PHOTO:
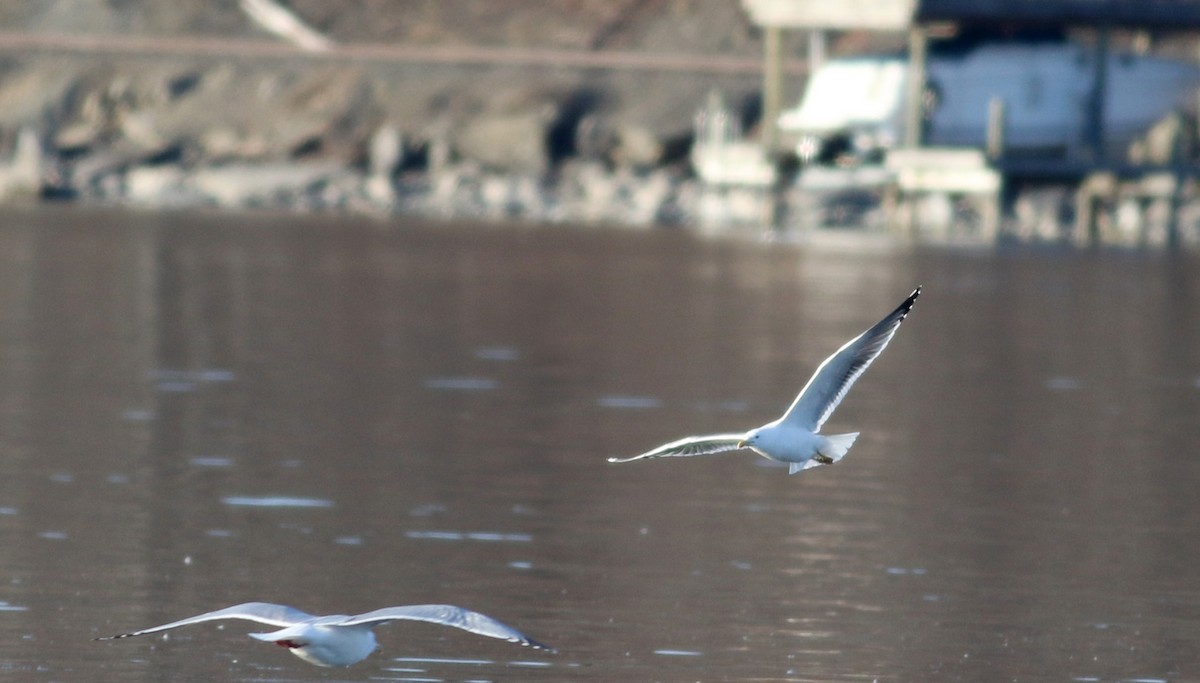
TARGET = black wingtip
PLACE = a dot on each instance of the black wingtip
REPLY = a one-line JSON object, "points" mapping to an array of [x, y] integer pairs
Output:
{"points": [[530, 642], [907, 305], [116, 637]]}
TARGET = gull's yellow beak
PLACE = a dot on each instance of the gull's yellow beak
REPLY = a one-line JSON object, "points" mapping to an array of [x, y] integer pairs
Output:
{"points": [[742, 443]]}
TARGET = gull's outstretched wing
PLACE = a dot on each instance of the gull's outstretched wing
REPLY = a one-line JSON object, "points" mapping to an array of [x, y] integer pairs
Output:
{"points": [[261, 612], [835, 376], [447, 615], [691, 445]]}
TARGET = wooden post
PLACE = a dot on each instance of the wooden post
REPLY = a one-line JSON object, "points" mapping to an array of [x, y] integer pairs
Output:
{"points": [[1093, 197], [1179, 157], [1174, 202], [772, 96], [918, 44], [1086, 220], [816, 50]]}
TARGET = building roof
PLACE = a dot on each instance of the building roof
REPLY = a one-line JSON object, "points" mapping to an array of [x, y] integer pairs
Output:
{"points": [[1141, 14], [895, 15]]}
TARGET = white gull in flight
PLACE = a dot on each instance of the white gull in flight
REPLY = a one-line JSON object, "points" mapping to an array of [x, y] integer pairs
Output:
{"points": [[341, 640], [794, 438]]}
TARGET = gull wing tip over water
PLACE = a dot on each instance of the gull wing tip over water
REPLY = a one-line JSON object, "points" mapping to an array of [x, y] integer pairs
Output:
{"points": [[837, 373], [335, 640], [448, 615], [688, 446], [258, 612]]}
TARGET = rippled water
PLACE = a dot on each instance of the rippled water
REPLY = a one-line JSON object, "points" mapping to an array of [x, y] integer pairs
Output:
{"points": [[198, 410]]}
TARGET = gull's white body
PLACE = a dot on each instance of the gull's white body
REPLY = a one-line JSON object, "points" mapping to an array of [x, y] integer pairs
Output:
{"points": [[341, 640], [323, 645], [795, 438]]}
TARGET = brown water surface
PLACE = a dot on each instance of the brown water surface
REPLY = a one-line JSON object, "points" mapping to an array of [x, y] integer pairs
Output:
{"points": [[203, 409]]}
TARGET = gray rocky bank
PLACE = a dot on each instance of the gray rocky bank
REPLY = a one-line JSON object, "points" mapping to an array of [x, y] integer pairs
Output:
{"points": [[186, 128]]}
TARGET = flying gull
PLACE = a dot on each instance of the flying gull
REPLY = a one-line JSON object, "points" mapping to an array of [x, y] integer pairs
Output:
{"points": [[794, 438], [341, 640]]}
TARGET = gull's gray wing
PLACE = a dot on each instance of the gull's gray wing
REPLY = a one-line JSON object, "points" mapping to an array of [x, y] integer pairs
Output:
{"points": [[261, 612], [691, 445], [447, 615], [835, 376]]}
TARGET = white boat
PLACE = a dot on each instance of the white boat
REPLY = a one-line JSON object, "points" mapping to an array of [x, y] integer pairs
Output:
{"points": [[1045, 88]]}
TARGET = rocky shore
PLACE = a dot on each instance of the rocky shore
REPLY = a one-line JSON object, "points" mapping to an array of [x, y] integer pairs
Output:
{"points": [[574, 111], [195, 104]]}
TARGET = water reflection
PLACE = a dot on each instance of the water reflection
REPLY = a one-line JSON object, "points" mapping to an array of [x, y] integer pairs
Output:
{"points": [[461, 383], [1020, 504], [487, 536], [277, 502]]}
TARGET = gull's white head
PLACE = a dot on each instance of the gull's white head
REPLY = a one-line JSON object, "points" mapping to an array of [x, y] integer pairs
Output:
{"points": [[753, 439], [773, 441], [325, 645]]}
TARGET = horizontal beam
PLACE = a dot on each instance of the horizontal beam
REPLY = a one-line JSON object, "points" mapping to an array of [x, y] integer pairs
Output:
{"points": [[874, 15], [24, 44]]}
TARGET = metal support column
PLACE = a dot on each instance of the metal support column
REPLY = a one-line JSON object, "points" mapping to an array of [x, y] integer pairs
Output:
{"points": [[772, 95], [816, 50], [918, 47], [1094, 143]]}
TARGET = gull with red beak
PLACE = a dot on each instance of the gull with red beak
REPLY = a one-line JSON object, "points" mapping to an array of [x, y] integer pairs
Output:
{"points": [[795, 438]]}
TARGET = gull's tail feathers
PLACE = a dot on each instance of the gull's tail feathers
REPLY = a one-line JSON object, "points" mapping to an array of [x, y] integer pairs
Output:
{"points": [[835, 448], [836, 445]]}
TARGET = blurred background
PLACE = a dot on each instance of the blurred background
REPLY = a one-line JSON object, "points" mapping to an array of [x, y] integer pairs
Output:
{"points": [[1067, 121], [345, 304]]}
